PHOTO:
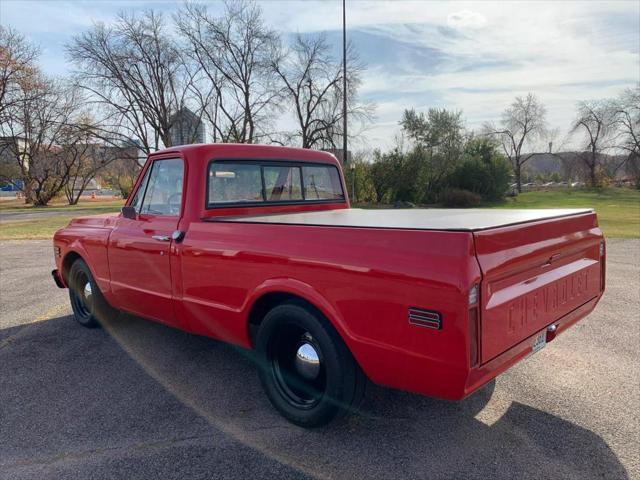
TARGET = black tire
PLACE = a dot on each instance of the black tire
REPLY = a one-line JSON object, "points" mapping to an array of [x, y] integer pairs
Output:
{"points": [[87, 302], [305, 393]]}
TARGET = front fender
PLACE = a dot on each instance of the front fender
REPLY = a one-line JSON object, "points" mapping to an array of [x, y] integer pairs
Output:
{"points": [[92, 248]]}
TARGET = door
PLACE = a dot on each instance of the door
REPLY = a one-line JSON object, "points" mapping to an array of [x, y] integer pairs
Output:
{"points": [[139, 249]]}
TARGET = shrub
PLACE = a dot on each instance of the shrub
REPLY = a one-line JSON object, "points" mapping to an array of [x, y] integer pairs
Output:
{"points": [[456, 197], [483, 171]]}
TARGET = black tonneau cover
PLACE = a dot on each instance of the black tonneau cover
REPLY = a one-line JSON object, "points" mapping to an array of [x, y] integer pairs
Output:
{"points": [[417, 219]]}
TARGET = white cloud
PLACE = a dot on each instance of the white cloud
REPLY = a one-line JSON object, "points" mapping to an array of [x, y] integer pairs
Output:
{"points": [[485, 52], [466, 19]]}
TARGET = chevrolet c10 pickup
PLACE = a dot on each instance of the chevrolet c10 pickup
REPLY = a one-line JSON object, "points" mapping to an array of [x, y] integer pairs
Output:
{"points": [[258, 246]]}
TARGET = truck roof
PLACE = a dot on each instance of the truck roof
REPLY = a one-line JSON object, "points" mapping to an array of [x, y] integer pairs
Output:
{"points": [[413, 219], [244, 151]]}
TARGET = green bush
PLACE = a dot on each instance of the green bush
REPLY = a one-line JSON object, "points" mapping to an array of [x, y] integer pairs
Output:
{"points": [[422, 174], [483, 171], [460, 198]]}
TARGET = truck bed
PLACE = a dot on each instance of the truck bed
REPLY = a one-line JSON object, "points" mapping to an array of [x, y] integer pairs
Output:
{"points": [[466, 220]]}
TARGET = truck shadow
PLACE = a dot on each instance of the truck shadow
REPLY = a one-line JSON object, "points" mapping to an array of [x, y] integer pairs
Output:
{"points": [[113, 374]]}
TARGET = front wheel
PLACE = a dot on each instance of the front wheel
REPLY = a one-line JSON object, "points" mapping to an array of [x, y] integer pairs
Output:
{"points": [[308, 373], [87, 302]]}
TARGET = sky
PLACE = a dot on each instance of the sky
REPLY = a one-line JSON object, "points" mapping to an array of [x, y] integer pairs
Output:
{"points": [[471, 56]]}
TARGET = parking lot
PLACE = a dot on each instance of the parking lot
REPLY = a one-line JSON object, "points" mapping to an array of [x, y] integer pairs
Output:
{"points": [[138, 400]]}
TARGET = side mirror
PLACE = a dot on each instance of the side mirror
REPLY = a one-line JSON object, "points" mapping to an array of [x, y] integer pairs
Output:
{"points": [[129, 212]]}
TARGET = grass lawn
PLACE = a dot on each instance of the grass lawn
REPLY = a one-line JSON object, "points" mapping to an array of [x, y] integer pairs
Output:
{"points": [[97, 206], [53, 217], [618, 209]]}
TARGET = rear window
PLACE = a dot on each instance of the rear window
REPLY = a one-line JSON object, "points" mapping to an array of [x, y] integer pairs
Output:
{"points": [[321, 183], [262, 183], [235, 183], [282, 183]]}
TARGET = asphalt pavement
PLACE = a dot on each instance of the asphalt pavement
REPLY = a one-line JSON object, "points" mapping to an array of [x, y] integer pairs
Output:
{"points": [[139, 400]]}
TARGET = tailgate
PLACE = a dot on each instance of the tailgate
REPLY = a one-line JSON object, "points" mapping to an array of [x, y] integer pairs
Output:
{"points": [[533, 274]]}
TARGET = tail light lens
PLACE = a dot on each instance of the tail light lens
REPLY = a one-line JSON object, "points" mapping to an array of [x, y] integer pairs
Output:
{"points": [[603, 256], [473, 295], [473, 336]]}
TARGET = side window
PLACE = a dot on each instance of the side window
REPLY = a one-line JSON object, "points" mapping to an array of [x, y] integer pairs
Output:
{"points": [[321, 183], [164, 189], [282, 183], [235, 183], [137, 200]]}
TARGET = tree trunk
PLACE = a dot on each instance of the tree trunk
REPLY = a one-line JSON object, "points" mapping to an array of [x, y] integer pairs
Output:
{"points": [[28, 192], [68, 192], [517, 170], [76, 199], [41, 200], [592, 168]]}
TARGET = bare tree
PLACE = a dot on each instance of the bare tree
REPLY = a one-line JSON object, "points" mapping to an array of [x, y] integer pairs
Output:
{"points": [[312, 85], [521, 125], [17, 67], [32, 133], [234, 53], [595, 122], [85, 155], [122, 173], [136, 72], [627, 123]]}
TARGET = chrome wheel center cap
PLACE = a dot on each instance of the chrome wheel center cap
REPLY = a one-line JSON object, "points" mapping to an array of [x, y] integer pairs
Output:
{"points": [[307, 361], [87, 290]]}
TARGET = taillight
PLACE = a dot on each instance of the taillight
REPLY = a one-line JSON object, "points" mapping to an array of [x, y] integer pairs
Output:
{"points": [[473, 336], [474, 297], [603, 256]]}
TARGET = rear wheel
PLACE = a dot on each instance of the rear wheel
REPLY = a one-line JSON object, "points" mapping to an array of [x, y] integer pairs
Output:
{"points": [[307, 371], [87, 302]]}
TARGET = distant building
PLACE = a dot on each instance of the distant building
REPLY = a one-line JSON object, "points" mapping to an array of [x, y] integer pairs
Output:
{"points": [[186, 127]]}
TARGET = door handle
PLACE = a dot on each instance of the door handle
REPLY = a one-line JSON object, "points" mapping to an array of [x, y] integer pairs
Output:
{"points": [[161, 238]]}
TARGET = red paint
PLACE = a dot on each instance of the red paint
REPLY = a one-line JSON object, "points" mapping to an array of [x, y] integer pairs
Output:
{"points": [[362, 280]]}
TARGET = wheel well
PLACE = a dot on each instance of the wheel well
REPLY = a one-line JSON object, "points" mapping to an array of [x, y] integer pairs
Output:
{"points": [[264, 304], [67, 262]]}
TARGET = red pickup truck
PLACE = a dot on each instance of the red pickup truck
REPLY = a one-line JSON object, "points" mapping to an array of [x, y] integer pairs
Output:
{"points": [[258, 246]]}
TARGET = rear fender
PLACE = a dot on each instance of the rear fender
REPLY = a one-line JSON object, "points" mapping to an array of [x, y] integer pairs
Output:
{"points": [[307, 293]]}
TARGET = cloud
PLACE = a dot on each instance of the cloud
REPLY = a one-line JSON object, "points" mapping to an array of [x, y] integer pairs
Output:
{"points": [[466, 19], [470, 55]]}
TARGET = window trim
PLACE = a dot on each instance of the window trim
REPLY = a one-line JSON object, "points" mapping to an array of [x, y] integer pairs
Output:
{"points": [[142, 188], [139, 183], [269, 203], [144, 196]]}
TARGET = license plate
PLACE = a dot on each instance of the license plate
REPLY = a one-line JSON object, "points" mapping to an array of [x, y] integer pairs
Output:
{"points": [[539, 342]]}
